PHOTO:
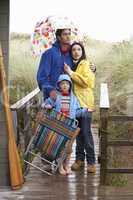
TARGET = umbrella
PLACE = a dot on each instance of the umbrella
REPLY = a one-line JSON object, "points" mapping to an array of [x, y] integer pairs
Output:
{"points": [[43, 35]]}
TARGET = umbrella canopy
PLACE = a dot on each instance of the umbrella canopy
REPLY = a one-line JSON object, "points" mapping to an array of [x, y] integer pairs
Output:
{"points": [[44, 32]]}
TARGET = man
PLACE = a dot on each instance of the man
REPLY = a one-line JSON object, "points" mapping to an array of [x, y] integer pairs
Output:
{"points": [[52, 65], [52, 62]]}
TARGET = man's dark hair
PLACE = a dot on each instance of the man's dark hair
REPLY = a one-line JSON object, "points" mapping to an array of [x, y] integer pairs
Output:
{"points": [[58, 33]]}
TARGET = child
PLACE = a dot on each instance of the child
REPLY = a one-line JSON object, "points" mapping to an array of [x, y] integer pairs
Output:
{"points": [[66, 102], [83, 78]]}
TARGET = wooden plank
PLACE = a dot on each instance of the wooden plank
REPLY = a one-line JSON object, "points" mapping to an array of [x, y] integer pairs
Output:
{"points": [[120, 170], [3, 139], [4, 174], [3, 158], [4, 7], [104, 96], [103, 144], [3, 142], [2, 116], [4, 39], [3, 20], [123, 118], [104, 106], [4, 33], [22, 102], [4, 167], [4, 49], [120, 143]]}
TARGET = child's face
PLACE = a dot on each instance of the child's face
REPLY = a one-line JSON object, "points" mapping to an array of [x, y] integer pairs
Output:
{"points": [[76, 52], [64, 86]]}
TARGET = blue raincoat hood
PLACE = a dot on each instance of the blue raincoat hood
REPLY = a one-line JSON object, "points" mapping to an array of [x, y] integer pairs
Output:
{"points": [[64, 77], [56, 104]]}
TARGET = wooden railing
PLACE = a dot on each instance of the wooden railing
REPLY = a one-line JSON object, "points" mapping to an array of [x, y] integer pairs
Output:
{"points": [[24, 112], [105, 119]]}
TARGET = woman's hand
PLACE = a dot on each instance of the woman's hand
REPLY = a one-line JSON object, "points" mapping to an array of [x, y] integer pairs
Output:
{"points": [[67, 69]]}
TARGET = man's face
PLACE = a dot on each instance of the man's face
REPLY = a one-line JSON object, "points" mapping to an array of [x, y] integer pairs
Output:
{"points": [[65, 37]]}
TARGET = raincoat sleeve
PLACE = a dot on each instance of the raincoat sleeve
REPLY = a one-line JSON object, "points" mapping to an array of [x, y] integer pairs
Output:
{"points": [[84, 77], [77, 103], [44, 72], [48, 101]]}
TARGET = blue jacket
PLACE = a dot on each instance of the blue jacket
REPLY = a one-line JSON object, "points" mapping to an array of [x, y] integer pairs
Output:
{"points": [[56, 104], [50, 67]]}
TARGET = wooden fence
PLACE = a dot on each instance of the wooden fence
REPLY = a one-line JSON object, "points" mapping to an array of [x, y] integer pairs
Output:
{"points": [[105, 142]]}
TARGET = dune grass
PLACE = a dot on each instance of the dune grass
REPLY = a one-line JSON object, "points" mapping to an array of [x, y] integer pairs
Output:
{"points": [[22, 68]]}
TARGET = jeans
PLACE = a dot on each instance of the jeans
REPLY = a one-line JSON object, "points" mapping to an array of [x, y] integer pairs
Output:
{"points": [[84, 141]]}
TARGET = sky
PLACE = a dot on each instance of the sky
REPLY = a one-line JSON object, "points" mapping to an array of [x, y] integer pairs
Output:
{"points": [[109, 20]]}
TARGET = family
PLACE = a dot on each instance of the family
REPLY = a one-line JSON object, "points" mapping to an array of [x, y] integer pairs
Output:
{"points": [[67, 80]]}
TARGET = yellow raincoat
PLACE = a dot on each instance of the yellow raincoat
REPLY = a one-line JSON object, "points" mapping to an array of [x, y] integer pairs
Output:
{"points": [[84, 80]]}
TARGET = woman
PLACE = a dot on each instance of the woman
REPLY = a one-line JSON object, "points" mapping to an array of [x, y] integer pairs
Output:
{"points": [[83, 79]]}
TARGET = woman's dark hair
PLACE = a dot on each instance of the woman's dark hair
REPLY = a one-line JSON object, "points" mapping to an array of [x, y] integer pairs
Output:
{"points": [[83, 53], [82, 47]]}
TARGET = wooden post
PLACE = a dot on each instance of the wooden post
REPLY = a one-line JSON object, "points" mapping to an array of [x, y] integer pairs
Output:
{"points": [[4, 40], [103, 143], [104, 106]]}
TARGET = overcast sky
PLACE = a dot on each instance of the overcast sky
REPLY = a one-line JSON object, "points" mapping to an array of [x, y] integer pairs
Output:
{"points": [[110, 20]]}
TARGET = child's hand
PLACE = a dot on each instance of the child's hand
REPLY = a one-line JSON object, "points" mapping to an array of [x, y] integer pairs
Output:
{"points": [[48, 106], [53, 94], [67, 69]]}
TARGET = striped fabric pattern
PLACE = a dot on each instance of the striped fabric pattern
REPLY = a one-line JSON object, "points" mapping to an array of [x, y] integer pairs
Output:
{"points": [[49, 142], [51, 133], [65, 104]]}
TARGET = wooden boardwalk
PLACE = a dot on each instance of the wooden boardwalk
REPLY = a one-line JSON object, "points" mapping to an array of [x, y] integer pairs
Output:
{"points": [[76, 186]]}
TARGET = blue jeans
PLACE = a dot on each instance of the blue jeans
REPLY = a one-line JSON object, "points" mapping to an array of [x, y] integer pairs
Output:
{"points": [[84, 141]]}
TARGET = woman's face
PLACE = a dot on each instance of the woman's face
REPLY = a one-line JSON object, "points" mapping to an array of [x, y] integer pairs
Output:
{"points": [[76, 52]]}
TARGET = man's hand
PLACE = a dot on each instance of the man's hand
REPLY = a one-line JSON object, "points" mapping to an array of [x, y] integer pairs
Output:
{"points": [[67, 69], [93, 67], [53, 94]]}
